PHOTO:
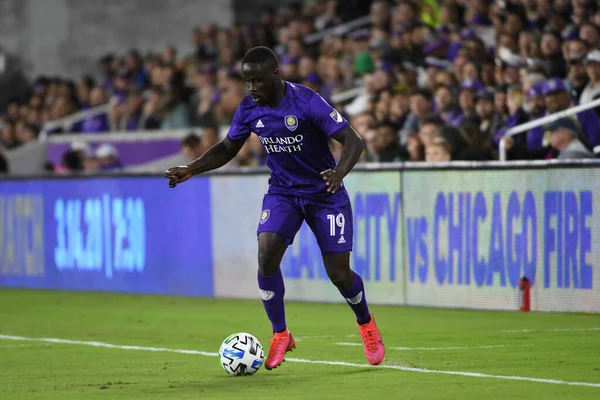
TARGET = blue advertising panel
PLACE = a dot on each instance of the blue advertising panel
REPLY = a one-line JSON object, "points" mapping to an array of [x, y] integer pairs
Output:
{"points": [[126, 234], [472, 235]]}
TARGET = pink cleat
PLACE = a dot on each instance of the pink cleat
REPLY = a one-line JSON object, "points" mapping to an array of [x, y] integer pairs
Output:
{"points": [[373, 344], [281, 343]]}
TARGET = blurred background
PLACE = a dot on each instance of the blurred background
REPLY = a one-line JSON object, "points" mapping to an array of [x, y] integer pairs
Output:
{"points": [[138, 85]]}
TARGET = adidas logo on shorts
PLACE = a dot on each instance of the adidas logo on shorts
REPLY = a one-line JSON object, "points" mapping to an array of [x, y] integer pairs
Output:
{"points": [[342, 240]]}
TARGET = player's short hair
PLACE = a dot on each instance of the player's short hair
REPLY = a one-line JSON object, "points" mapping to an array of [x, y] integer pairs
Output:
{"points": [[192, 141], [260, 55]]}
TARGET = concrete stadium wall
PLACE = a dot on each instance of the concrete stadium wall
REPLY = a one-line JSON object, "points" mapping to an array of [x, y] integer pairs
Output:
{"points": [[66, 37]]}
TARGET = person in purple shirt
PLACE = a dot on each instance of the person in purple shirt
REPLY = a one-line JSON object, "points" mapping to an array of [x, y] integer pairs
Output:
{"points": [[294, 125], [558, 98]]}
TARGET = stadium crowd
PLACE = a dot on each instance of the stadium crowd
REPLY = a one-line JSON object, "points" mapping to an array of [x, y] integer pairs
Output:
{"points": [[441, 80]]}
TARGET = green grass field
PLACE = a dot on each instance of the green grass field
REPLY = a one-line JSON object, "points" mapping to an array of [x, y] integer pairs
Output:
{"points": [[559, 348]]}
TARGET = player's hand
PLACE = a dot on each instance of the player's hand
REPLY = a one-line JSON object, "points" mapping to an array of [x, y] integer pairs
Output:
{"points": [[177, 175], [333, 180]]}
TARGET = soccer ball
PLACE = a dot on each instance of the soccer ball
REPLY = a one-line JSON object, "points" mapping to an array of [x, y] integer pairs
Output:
{"points": [[241, 354]]}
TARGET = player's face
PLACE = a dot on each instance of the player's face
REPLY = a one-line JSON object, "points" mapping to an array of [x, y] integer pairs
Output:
{"points": [[260, 80]]}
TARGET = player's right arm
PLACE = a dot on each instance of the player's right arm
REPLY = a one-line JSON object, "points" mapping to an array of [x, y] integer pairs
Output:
{"points": [[217, 156]]}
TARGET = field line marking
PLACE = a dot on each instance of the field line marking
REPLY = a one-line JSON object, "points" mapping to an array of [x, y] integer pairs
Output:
{"points": [[108, 345], [300, 360], [300, 338], [550, 330], [428, 348]]}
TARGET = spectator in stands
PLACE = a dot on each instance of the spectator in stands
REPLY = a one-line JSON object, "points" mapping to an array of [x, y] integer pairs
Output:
{"points": [[514, 103], [590, 33], [84, 90], [71, 162], [191, 147], [107, 63], [107, 158], [380, 15], [121, 84], [98, 123], [204, 80], [478, 147], [232, 90], [133, 64], [491, 121], [151, 118], [577, 78], [329, 16], [12, 109], [438, 150], [370, 138], [26, 133], [500, 100], [466, 99], [554, 62], [558, 98], [446, 106], [83, 150], [576, 49], [386, 142], [564, 136], [455, 139], [7, 135], [429, 128], [173, 113], [420, 105], [210, 137], [132, 111], [592, 69], [535, 107]]}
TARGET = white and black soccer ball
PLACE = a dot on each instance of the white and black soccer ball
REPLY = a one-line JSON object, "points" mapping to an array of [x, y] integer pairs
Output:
{"points": [[241, 354]]}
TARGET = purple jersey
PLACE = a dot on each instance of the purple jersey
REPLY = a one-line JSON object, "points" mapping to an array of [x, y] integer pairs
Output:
{"points": [[295, 136]]}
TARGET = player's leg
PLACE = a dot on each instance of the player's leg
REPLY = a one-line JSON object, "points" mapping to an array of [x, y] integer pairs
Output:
{"points": [[279, 223], [349, 283], [271, 248], [333, 227]]}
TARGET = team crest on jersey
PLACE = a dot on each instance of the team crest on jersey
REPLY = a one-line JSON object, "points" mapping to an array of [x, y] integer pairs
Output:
{"points": [[336, 116], [291, 122], [264, 216]]}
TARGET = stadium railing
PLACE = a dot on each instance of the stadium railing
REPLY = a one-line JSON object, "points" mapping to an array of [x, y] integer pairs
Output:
{"points": [[347, 94], [73, 118], [337, 30], [543, 121]]}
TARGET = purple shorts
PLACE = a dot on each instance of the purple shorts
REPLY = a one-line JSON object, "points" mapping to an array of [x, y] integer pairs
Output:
{"points": [[330, 220]]}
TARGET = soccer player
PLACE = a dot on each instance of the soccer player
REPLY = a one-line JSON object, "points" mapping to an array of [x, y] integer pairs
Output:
{"points": [[294, 125]]}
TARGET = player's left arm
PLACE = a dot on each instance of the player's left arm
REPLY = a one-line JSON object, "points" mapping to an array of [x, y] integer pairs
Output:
{"points": [[353, 146], [335, 126]]}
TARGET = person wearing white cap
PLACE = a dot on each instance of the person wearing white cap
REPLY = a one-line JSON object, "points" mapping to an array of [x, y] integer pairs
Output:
{"points": [[592, 68], [107, 157]]}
